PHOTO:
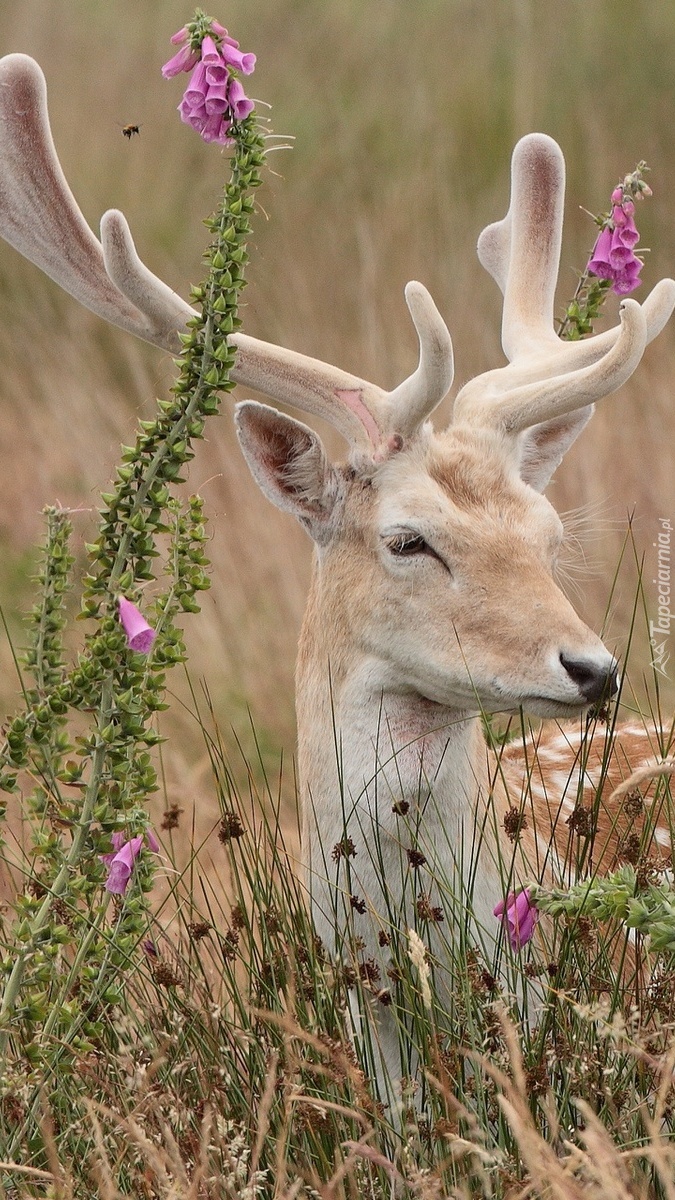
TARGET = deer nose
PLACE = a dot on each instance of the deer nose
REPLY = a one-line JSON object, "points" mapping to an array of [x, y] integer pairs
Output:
{"points": [[595, 682]]}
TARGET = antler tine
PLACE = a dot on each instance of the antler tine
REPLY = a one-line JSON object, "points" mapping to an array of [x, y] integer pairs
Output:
{"points": [[546, 399], [166, 311], [494, 250], [38, 212], [522, 252], [363, 413], [477, 394], [657, 307], [355, 408], [40, 217], [416, 398]]}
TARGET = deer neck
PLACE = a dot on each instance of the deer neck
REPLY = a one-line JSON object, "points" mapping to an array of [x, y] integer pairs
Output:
{"points": [[386, 776]]}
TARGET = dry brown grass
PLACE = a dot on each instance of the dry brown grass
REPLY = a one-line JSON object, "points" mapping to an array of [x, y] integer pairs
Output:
{"points": [[218, 1163], [404, 120]]}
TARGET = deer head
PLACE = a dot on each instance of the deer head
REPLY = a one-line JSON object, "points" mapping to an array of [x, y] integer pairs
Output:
{"points": [[436, 549]]}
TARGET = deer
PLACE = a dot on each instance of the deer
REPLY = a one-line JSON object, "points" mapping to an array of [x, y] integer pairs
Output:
{"points": [[433, 597]]}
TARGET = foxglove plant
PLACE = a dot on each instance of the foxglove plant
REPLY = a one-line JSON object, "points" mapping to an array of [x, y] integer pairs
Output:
{"points": [[87, 792], [214, 99], [520, 915], [120, 861], [613, 265], [139, 634], [613, 257], [644, 905]]}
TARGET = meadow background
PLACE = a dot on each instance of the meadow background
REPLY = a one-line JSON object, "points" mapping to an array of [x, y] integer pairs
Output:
{"points": [[403, 119]]}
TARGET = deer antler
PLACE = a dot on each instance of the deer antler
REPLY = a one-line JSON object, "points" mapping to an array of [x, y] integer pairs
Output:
{"points": [[546, 376], [364, 414], [40, 217]]}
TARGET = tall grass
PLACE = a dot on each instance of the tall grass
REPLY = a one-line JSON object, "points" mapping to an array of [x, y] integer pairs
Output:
{"points": [[227, 1062]]}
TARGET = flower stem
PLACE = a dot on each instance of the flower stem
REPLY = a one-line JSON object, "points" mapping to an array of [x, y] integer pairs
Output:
{"points": [[60, 883], [132, 516]]}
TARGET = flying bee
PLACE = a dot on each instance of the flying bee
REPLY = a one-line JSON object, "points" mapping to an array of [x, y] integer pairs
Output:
{"points": [[128, 131]]}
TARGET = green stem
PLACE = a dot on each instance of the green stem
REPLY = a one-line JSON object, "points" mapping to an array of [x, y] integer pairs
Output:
{"points": [[59, 885], [566, 322], [51, 1021], [104, 715], [59, 529], [203, 372], [151, 472]]}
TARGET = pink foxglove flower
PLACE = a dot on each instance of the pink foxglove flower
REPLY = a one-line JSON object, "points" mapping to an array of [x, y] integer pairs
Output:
{"points": [[214, 99], [613, 255], [215, 129], [210, 52], [239, 104], [120, 861], [140, 635], [233, 57], [520, 916], [184, 59]]}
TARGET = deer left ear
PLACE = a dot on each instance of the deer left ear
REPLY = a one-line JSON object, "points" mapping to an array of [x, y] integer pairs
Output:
{"points": [[289, 463], [544, 446]]}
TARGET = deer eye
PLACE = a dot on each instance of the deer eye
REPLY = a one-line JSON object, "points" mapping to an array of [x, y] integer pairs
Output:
{"points": [[406, 544]]}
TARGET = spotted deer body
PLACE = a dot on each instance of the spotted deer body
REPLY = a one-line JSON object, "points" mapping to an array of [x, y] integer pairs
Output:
{"points": [[433, 598]]}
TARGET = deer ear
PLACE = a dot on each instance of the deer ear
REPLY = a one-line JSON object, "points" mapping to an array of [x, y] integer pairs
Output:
{"points": [[544, 446], [288, 462]]}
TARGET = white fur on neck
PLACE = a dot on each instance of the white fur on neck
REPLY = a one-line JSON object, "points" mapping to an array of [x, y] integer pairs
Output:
{"points": [[393, 751]]}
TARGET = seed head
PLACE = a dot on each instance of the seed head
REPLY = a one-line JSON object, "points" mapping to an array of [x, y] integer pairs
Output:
{"points": [[345, 848], [369, 971], [165, 976], [416, 858], [229, 945], [171, 818], [579, 821], [230, 827], [514, 823], [634, 804], [426, 910], [401, 808], [198, 930]]}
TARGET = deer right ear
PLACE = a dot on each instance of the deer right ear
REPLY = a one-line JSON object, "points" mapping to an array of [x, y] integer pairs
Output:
{"points": [[544, 446], [289, 463]]}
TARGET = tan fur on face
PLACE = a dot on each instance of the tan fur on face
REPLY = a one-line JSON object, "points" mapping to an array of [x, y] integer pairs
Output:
{"points": [[465, 627]]}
